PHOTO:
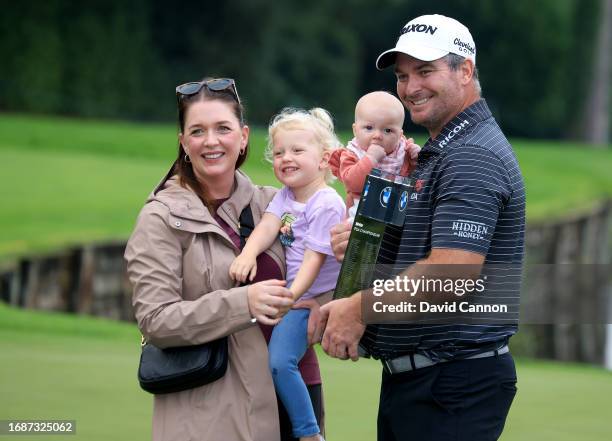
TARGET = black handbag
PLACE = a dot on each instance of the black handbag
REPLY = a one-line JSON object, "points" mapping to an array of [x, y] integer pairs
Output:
{"points": [[163, 371]]}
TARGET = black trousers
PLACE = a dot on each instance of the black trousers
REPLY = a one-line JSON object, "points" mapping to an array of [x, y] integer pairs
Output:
{"points": [[316, 396], [464, 400]]}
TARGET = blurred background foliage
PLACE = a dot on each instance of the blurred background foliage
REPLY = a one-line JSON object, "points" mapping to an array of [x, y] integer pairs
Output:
{"points": [[117, 59]]}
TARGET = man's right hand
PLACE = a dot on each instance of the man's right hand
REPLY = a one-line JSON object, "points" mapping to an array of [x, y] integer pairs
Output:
{"points": [[339, 239], [341, 320]]}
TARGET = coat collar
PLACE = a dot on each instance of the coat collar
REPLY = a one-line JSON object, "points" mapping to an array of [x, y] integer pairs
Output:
{"points": [[184, 203]]}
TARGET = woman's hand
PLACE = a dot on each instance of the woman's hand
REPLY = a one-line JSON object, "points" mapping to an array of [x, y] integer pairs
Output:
{"points": [[315, 332], [269, 301]]}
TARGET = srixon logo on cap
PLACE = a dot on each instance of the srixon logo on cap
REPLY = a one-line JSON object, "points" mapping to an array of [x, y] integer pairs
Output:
{"points": [[418, 28]]}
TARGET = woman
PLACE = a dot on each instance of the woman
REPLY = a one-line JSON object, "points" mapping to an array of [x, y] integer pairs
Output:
{"points": [[179, 255]]}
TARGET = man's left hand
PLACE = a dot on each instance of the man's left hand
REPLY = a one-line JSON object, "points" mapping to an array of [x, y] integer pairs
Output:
{"points": [[343, 327]]}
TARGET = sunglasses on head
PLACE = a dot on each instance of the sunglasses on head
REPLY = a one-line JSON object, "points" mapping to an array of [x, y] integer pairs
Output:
{"points": [[216, 85]]}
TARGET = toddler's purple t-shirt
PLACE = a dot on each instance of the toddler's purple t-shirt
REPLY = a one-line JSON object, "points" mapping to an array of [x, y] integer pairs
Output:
{"points": [[307, 226]]}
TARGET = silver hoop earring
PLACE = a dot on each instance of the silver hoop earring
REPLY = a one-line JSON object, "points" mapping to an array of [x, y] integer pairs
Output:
{"points": [[242, 152], [187, 159]]}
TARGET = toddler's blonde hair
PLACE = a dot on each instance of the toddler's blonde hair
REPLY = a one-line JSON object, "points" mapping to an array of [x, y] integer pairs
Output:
{"points": [[317, 120]]}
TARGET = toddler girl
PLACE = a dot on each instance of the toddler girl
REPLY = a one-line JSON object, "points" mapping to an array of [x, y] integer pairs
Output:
{"points": [[300, 144]]}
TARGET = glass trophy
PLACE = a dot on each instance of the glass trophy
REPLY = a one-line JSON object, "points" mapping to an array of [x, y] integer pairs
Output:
{"points": [[381, 210]]}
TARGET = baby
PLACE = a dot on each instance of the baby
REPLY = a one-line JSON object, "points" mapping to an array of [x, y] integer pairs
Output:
{"points": [[378, 143]]}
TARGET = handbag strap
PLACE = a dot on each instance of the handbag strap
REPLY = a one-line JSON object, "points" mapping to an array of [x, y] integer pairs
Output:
{"points": [[246, 225]]}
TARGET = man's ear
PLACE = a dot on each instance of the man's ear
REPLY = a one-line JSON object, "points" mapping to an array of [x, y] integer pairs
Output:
{"points": [[467, 71]]}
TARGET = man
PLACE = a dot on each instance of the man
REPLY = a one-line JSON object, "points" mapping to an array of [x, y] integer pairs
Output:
{"points": [[444, 380]]}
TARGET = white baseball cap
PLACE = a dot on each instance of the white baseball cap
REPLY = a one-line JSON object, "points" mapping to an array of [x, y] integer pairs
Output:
{"points": [[430, 37]]}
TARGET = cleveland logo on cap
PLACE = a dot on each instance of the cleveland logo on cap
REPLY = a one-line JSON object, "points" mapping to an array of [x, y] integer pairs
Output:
{"points": [[418, 28], [464, 47]]}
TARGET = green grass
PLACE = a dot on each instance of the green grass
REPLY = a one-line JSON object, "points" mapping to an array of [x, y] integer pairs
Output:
{"points": [[563, 178], [58, 198], [72, 181], [73, 368], [57, 366]]}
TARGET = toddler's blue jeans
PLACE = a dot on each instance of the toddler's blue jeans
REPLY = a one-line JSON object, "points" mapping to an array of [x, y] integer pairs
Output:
{"points": [[287, 346]]}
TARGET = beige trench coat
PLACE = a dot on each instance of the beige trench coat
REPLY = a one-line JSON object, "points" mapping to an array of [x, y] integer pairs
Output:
{"points": [[178, 260]]}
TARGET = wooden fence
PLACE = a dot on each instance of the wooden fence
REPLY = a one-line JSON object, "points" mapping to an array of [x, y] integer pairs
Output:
{"points": [[566, 275], [84, 280]]}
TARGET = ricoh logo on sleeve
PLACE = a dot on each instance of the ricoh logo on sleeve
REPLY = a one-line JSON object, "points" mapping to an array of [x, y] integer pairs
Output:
{"points": [[469, 229], [419, 28], [453, 133]]}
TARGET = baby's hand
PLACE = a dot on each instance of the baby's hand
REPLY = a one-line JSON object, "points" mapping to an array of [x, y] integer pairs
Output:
{"points": [[412, 149], [412, 154], [243, 267], [376, 152]]}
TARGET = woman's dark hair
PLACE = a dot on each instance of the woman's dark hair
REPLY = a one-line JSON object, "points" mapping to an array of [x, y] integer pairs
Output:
{"points": [[184, 169]]}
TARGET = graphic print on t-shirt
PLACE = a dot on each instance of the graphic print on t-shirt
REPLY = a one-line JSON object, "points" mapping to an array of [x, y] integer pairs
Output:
{"points": [[286, 233]]}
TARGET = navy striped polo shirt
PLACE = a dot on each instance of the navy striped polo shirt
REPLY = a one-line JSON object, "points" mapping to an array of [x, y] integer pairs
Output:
{"points": [[469, 195]]}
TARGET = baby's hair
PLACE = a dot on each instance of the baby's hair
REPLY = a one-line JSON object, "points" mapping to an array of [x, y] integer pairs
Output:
{"points": [[318, 120]]}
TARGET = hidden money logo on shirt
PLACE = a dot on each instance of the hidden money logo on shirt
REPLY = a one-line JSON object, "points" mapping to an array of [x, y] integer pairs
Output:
{"points": [[469, 229]]}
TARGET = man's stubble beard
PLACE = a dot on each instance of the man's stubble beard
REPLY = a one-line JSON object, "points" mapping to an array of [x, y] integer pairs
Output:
{"points": [[431, 123]]}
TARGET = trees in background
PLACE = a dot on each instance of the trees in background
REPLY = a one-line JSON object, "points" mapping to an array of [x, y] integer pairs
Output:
{"points": [[108, 58], [596, 122]]}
